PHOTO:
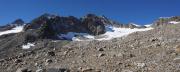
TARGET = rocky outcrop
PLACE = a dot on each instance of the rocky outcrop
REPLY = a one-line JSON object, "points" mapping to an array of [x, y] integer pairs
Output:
{"points": [[166, 20], [49, 26], [93, 24]]}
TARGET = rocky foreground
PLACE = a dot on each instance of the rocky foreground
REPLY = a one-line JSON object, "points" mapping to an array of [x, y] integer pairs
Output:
{"points": [[155, 50]]}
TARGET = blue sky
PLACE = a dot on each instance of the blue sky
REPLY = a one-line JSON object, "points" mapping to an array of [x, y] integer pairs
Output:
{"points": [[124, 11]]}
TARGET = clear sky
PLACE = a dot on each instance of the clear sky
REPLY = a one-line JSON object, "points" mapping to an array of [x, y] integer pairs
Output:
{"points": [[125, 11]]}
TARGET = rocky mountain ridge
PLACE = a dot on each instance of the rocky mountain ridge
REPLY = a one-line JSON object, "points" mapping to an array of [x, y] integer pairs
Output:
{"points": [[49, 26], [35, 49], [150, 51], [167, 20]]}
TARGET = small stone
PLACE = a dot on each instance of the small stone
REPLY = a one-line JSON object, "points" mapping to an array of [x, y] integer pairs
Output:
{"points": [[131, 55], [119, 54], [73, 62], [80, 68], [101, 54], [65, 52], [48, 61], [155, 39], [18, 61], [116, 70], [36, 64], [127, 71], [158, 44], [119, 63], [23, 70], [177, 60], [51, 53], [40, 70], [57, 70], [140, 64], [100, 49], [2, 60], [87, 70], [177, 49]]}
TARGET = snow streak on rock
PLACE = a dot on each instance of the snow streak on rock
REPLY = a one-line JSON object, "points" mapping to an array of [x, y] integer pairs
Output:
{"points": [[174, 22], [14, 30], [28, 46]]}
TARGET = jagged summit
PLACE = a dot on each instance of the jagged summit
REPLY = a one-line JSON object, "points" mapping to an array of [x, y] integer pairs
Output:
{"points": [[18, 22], [90, 23]]}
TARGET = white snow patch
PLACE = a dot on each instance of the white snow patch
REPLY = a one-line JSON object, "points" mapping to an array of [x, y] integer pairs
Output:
{"points": [[14, 30], [111, 32], [28, 46], [136, 25], [73, 36], [140, 64], [148, 25], [119, 32], [174, 22]]}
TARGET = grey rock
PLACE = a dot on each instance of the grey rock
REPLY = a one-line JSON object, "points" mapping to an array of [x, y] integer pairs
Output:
{"points": [[18, 60], [48, 61], [101, 55], [23, 70], [100, 49], [51, 53], [40, 70]]}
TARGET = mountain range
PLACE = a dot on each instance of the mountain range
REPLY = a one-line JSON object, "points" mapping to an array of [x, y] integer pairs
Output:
{"points": [[52, 43]]}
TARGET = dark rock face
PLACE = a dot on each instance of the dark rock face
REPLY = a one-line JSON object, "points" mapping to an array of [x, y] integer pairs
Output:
{"points": [[30, 36], [49, 26], [65, 24], [37, 23], [93, 24]]}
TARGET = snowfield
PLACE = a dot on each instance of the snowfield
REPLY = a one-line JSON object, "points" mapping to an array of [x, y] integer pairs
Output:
{"points": [[28, 46], [136, 24], [148, 25], [14, 30], [111, 32], [174, 22], [120, 32]]}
